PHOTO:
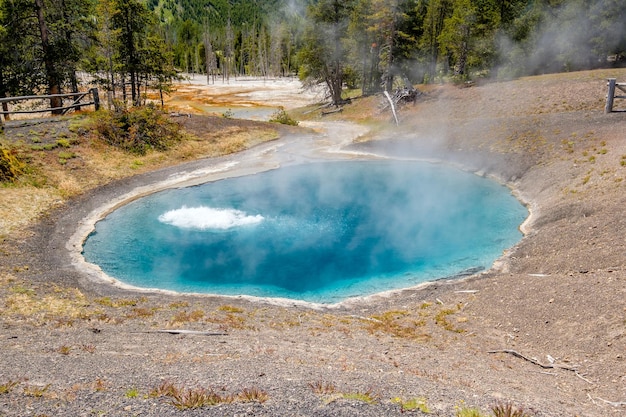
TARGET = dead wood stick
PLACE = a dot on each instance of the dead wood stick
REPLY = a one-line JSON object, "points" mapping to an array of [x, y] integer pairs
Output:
{"points": [[583, 378], [366, 318], [535, 361], [339, 110], [183, 331], [613, 403]]}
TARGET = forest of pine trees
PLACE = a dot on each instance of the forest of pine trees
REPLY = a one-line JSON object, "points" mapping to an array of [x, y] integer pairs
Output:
{"points": [[129, 46]]}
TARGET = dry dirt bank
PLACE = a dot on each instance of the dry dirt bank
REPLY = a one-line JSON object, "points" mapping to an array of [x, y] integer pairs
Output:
{"points": [[75, 347]]}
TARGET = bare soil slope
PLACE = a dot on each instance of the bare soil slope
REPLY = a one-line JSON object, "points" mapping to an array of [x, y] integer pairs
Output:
{"points": [[545, 329]]}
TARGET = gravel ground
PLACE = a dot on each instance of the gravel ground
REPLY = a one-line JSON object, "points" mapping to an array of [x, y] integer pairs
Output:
{"points": [[544, 329]]}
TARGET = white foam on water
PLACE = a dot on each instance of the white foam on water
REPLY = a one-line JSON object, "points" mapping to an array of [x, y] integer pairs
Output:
{"points": [[205, 218]]}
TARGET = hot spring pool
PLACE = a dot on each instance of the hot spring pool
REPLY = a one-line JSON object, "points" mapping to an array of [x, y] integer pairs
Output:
{"points": [[320, 232]]}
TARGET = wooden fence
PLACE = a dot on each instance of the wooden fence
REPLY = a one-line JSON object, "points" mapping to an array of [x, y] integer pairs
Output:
{"points": [[610, 98], [78, 100]]}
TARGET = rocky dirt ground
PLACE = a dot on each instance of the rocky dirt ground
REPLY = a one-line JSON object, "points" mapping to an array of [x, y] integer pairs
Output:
{"points": [[543, 330]]}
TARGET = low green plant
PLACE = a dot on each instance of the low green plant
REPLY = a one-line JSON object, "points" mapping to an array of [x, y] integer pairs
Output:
{"points": [[231, 309], [469, 412], [8, 386], [281, 116], [132, 393], [412, 404], [228, 114], [64, 156], [64, 143]]}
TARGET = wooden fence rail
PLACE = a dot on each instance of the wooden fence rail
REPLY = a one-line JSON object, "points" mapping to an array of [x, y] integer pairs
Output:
{"points": [[610, 98], [77, 102]]}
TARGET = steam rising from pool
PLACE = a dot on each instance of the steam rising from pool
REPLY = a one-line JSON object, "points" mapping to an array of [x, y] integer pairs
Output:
{"points": [[319, 232], [203, 218]]}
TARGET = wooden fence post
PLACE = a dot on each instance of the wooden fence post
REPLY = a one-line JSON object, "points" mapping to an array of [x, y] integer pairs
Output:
{"points": [[610, 96], [96, 98]]}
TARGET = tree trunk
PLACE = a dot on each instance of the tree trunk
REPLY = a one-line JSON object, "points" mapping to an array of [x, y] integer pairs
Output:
{"points": [[54, 85], [3, 94]]}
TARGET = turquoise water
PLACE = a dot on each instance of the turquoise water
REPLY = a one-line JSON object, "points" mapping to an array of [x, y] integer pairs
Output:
{"points": [[318, 232]]}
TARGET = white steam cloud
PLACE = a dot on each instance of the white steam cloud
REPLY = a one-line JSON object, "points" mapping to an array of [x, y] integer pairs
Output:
{"points": [[206, 218]]}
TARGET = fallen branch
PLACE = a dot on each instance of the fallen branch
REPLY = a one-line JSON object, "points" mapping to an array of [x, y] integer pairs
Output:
{"points": [[339, 110], [535, 361], [613, 403], [366, 318], [544, 366], [183, 331], [393, 107]]}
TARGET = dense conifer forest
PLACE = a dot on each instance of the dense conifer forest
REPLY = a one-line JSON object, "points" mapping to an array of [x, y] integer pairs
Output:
{"points": [[50, 45]]}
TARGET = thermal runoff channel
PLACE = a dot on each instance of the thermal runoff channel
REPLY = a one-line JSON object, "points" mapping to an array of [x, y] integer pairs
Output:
{"points": [[318, 232]]}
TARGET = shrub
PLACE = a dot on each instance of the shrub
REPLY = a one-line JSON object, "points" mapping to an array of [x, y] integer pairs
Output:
{"points": [[10, 165], [281, 116], [138, 130]]}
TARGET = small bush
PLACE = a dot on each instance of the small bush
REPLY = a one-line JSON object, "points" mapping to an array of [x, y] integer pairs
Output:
{"points": [[281, 116], [138, 130], [10, 165]]}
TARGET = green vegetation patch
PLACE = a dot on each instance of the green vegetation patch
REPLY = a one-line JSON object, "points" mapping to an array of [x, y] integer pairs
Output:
{"points": [[412, 404], [137, 130], [11, 167], [281, 116]]}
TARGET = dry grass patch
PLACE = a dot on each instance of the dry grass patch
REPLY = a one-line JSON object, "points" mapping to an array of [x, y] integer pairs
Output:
{"points": [[183, 317], [61, 307], [398, 323], [21, 205], [192, 398]]}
